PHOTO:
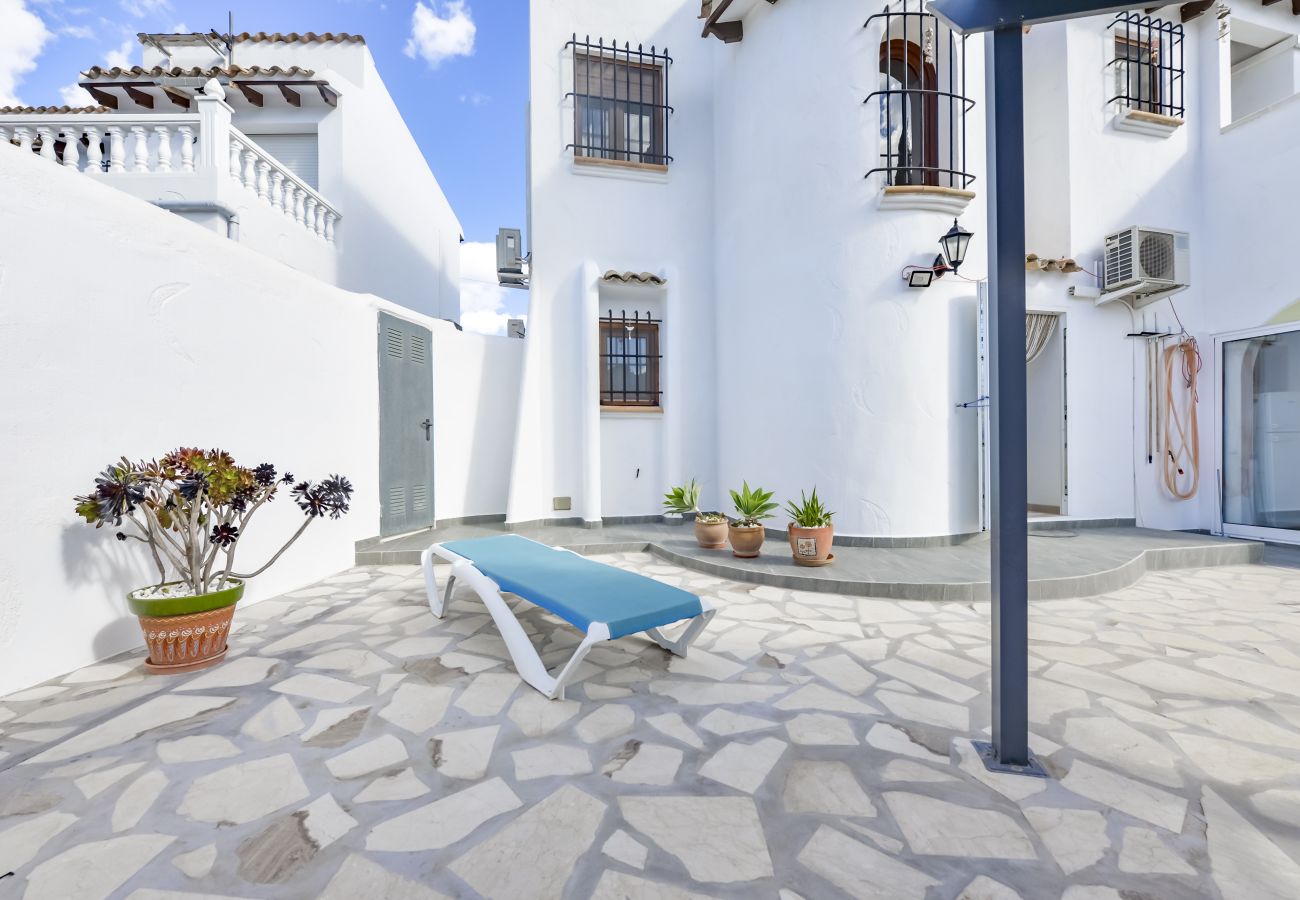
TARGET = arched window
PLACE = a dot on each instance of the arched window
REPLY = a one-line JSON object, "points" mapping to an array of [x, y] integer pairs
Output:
{"points": [[909, 115]]}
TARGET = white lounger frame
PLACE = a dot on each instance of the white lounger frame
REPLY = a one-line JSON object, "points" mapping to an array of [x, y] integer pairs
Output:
{"points": [[525, 655]]}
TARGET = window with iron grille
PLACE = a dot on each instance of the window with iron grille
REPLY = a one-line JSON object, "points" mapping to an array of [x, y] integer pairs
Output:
{"points": [[1147, 66], [922, 99], [629, 360], [620, 108]]}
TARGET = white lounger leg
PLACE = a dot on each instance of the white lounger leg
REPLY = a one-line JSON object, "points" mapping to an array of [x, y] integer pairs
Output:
{"points": [[683, 643]]}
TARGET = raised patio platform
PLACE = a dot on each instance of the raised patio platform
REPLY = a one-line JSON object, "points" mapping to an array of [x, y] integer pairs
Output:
{"points": [[1064, 561]]}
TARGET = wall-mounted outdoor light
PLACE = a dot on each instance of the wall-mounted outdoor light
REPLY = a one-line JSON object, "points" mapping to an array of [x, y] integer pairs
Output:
{"points": [[954, 245]]}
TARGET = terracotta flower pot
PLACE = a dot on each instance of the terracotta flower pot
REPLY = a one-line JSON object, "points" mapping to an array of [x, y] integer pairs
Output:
{"points": [[185, 633], [811, 546], [711, 535], [746, 540]]}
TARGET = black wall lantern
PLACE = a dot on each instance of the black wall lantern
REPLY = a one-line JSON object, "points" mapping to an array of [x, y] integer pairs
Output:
{"points": [[954, 245]]}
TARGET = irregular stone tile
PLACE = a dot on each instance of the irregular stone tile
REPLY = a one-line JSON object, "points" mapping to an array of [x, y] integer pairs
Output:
{"points": [[381, 753], [410, 647], [939, 713], [109, 671], [926, 680], [244, 791], [1123, 747], [609, 721], [718, 839], [244, 670], [1091, 892], [626, 849], [605, 692], [1133, 797], [842, 672], [935, 827], [356, 661], [535, 854], [622, 886], [703, 664], [319, 687], [196, 748], [825, 787], [275, 720], [1230, 762], [537, 717], [20, 843], [676, 728], [197, 863], [1246, 865], [1239, 725], [41, 692], [895, 740], [955, 666], [98, 782], [1139, 716], [445, 821], [1143, 852], [1076, 838], [48, 713], [155, 712], [278, 852], [726, 723], [417, 707], [861, 871], [1098, 682], [1050, 698], [906, 770], [325, 821], [28, 803], [817, 729], [358, 877], [305, 637], [648, 764], [744, 766], [464, 754], [1279, 805], [1182, 681], [1277, 679], [546, 760], [336, 726], [386, 682], [487, 693], [818, 697], [94, 870], [985, 888], [136, 800], [694, 694], [403, 785]]}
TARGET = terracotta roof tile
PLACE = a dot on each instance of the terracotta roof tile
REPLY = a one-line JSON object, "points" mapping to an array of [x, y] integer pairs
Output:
{"points": [[633, 277], [54, 110], [293, 37], [97, 72]]}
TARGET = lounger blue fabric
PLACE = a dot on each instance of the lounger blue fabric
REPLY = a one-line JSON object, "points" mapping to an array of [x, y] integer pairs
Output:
{"points": [[578, 590]]}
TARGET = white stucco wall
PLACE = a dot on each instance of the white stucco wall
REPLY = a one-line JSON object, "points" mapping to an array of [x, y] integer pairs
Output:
{"points": [[193, 340]]}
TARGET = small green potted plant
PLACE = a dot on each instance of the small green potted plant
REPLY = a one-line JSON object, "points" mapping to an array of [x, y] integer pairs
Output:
{"points": [[191, 509], [746, 532], [810, 530], [710, 527]]}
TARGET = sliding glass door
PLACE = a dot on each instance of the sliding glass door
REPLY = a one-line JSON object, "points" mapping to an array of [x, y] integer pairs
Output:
{"points": [[1260, 416]]}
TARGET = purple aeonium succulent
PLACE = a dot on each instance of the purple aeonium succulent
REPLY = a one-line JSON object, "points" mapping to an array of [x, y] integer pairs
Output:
{"points": [[264, 474], [225, 534]]}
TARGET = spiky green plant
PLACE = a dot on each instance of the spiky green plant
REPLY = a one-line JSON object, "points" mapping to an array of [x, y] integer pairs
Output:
{"points": [[809, 512], [752, 506], [686, 500]]}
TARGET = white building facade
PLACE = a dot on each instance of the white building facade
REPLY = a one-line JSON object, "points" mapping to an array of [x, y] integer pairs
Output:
{"points": [[752, 197], [288, 143]]}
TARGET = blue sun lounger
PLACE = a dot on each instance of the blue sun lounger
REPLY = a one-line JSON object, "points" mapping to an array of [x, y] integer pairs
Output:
{"points": [[603, 602]]}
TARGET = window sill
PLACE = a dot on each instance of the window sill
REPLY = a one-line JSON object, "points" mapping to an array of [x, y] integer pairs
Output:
{"points": [[926, 198], [1136, 121], [618, 168], [619, 411]]}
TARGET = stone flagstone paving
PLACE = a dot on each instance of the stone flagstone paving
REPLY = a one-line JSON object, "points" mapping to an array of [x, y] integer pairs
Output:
{"points": [[811, 746]]}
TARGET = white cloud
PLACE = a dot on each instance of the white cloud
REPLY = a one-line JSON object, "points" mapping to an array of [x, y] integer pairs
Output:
{"points": [[440, 31], [120, 57], [474, 98], [81, 32], [22, 35], [485, 306], [141, 8], [74, 95]]}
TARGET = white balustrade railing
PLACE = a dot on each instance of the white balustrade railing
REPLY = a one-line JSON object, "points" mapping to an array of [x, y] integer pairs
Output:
{"points": [[272, 181], [113, 144]]}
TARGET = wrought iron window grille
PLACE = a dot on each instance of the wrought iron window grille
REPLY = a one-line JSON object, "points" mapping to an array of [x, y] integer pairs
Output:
{"points": [[1148, 65], [629, 360], [620, 101], [922, 99]]}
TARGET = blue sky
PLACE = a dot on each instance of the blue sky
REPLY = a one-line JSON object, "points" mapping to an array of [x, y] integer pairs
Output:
{"points": [[458, 70]]}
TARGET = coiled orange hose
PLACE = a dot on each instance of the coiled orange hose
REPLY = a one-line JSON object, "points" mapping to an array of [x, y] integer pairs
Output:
{"points": [[1182, 426]]}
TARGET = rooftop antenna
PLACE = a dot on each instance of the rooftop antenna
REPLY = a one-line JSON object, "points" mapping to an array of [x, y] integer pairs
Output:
{"points": [[230, 38]]}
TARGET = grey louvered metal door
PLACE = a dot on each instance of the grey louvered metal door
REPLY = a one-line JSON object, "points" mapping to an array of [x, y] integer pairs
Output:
{"points": [[405, 426]]}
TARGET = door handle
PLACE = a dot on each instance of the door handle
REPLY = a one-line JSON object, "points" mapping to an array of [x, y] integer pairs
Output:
{"points": [[426, 425]]}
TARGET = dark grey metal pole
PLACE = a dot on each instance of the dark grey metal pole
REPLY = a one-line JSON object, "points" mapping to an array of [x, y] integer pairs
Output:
{"points": [[1004, 84]]}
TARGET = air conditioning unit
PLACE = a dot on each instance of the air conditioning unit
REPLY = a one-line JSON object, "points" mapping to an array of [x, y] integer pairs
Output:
{"points": [[1144, 265]]}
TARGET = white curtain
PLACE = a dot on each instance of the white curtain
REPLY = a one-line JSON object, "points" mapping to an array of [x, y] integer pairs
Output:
{"points": [[1039, 328]]}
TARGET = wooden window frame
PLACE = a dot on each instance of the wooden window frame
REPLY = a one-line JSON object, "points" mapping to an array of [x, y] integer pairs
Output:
{"points": [[618, 150], [649, 399], [900, 51], [1155, 102]]}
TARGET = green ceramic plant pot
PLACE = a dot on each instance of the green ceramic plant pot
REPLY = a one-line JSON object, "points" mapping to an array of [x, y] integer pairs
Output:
{"points": [[183, 605]]}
